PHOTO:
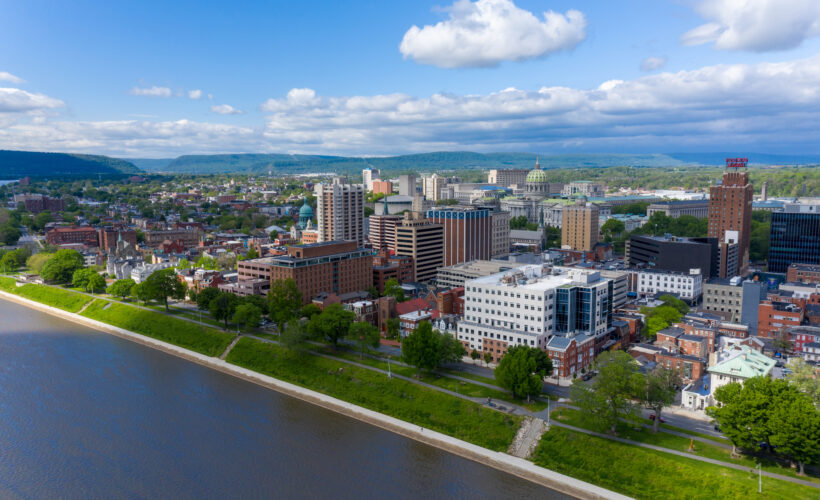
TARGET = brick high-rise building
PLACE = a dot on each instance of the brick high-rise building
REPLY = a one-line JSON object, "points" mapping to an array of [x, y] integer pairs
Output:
{"points": [[468, 233], [67, 235], [383, 229], [730, 215], [108, 237], [422, 240], [579, 227], [340, 211], [337, 267]]}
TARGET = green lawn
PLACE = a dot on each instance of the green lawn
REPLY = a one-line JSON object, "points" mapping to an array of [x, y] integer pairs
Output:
{"points": [[650, 474], [679, 443], [397, 398], [162, 327], [55, 297]]}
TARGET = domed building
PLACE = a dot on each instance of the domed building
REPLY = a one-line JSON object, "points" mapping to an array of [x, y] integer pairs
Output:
{"points": [[305, 215], [537, 183]]}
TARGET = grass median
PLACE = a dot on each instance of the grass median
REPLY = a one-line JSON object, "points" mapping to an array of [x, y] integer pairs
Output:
{"points": [[644, 473], [55, 297], [160, 326], [400, 399]]}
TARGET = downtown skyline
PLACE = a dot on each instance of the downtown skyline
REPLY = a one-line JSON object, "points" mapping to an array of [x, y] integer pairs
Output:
{"points": [[492, 75]]}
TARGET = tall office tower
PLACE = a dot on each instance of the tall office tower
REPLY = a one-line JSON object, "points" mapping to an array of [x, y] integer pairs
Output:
{"points": [[383, 229], [467, 233], [579, 226], [501, 234], [794, 237], [368, 176], [764, 191], [506, 178], [432, 186], [422, 240], [407, 185], [730, 216], [340, 211]]}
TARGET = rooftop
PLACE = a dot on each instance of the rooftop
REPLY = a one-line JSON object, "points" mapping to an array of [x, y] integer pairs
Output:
{"points": [[537, 278], [743, 362]]}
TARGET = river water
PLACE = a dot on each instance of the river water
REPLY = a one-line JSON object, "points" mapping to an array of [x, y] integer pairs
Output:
{"points": [[84, 414]]}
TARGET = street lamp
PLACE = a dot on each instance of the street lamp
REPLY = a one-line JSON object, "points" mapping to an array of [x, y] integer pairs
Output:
{"points": [[759, 478]]}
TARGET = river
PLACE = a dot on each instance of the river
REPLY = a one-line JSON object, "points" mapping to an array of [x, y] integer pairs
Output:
{"points": [[84, 414]]}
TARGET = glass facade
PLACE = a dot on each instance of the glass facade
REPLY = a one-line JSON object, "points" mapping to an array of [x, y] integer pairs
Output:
{"points": [[794, 237]]}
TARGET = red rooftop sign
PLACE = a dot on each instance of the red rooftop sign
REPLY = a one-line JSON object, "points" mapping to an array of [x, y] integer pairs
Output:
{"points": [[736, 162]]}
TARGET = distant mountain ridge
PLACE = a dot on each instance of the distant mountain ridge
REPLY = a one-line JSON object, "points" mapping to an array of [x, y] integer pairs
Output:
{"points": [[16, 164], [253, 163]]}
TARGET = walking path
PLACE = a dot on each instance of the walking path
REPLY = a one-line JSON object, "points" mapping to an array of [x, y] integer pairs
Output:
{"points": [[230, 346]]}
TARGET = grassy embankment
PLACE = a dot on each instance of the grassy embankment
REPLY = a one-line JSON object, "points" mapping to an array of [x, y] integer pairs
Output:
{"points": [[679, 443], [55, 297], [185, 334], [398, 398]]}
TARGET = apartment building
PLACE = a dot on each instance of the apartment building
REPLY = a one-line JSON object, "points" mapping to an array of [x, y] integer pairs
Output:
{"points": [[508, 177], [340, 209], [422, 240], [688, 287], [579, 228]]}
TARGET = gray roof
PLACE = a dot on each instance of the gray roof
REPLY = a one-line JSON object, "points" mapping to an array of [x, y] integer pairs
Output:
{"points": [[694, 338], [560, 343]]}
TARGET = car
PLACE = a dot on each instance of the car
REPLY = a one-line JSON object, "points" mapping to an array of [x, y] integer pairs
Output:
{"points": [[652, 418]]}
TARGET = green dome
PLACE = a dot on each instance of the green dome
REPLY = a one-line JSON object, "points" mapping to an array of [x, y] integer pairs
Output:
{"points": [[306, 211], [537, 176]]}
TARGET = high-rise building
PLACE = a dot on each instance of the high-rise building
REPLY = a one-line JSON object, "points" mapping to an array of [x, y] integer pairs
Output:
{"points": [[730, 216], [432, 187], [383, 229], [501, 234], [407, 185], [794, 237], [579, 226], [340, 211], [368, 176], [674, 254], [467, 233], [337, 267], [422, 240], [507, 178]]}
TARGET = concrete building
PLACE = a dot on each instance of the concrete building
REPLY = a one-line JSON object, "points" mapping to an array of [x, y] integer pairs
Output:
{"points": [[467, 233], [340, 211], [730, 216], [553, 213], [508, 177], [676, 208], [383, 229], [794, 236], [673, 253], [422, 240], [369, 175], [500, 234], [143, 271], [531, 305], [457, 275], [579, 230], [334, 267], [526, 240], [688, 287], [407, 185], [738, 364], [620, 286], [585, 189], [432, 187]]}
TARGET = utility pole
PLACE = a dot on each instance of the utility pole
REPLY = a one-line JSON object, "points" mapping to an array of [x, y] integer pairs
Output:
{"points": [[759, 478]]}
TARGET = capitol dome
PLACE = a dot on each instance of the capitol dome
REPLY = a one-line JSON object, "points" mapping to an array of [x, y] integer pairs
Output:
{"points": [[537, 176], [305, 214], [537, 182]]}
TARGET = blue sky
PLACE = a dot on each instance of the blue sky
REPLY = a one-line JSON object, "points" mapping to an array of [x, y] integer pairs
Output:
{"points": [[157, 79]]}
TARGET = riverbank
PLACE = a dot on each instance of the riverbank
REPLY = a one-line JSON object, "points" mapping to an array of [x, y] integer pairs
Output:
{"points": [[497, 460]]}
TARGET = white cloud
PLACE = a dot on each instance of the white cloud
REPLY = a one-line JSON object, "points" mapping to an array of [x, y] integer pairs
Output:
{"points": [[226, 109], [151, 91], [755, 25], [195, 94], [8, 77], [19, 101], [653, 63], [487, 32]]}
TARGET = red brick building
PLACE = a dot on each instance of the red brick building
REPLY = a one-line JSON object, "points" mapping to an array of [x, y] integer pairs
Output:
{"points": [[451, 301], [467, 233], [773, 317], [108, 237], [569, 355], [383, 187], [805, 273], [385, 267], [66, 235], [730, 213]]}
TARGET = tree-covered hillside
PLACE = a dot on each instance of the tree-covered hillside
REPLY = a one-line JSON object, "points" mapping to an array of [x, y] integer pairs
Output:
{"points": [[15, 164]]}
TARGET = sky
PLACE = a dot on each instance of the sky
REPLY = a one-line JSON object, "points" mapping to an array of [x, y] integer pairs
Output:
{"points": [[156, 79]]}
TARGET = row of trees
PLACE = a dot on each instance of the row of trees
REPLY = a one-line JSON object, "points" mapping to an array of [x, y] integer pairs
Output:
{"points": [[427, 349], [11, 260]]}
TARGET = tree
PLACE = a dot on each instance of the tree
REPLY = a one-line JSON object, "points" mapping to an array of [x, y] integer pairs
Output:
{"points": [[60, 267], [660, 387], [795, 424], [519, 222], [252, 253], [608, 397], [121, 288], [672, 301], [805, 378], [612, 228], [421, 348], [183, 264], [206, 262], [222, 307], [204, 298], [450, 349], [164, 284], [36, 262], [474, 355], [488, 357], [365, 334], [140, 292], [522, 370], [95, 282], [660, 317], [260, 302], [284, 300], [393, 328], [247, 315], [294, 334], [332, 324], [374, 292], [9, 262], [81, 278], [309, 311], [393, 289]]}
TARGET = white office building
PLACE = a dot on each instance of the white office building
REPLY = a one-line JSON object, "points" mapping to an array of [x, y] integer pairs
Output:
{"points": [[688, 287]]}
